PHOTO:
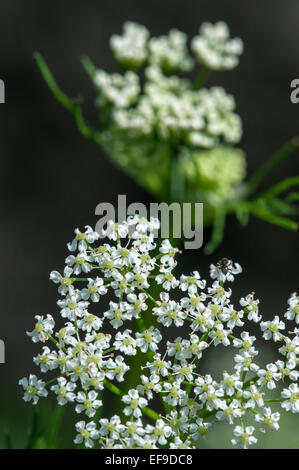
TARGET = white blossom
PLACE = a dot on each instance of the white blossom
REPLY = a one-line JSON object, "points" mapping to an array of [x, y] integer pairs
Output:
{"points": [[214, 48]]}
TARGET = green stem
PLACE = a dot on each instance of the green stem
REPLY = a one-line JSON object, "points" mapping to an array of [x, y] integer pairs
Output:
{"points": [[264, 214], [51, 381], [251, 381], [50, 337], [278, 157], [217, 231], [71, 105], [89, 66], [116, 391], [280, 188], [275, 400], [202, 77]]}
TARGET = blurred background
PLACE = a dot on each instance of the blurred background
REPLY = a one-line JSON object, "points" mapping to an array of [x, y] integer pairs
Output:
{"points": [[51, 178]]}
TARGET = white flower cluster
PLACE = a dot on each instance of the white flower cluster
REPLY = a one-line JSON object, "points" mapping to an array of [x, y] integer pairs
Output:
{"points": [[152, 113], [202, 119], [130, 49], [170, 52], [166, 105], [116, 89], [214, 48], [85, 358]]}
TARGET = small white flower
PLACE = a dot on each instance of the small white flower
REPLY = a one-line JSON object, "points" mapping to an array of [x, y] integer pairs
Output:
{"points": [[271, 329], [167, 279], [82, 240], [149, 384], [230, 412], [125, 343], [65, 281], [115, 231], [253, 397], [94, 290], [64, 391], [219, 335], [250, 307], [80, 263], [112, 428], [269, 376], [116, 369], [192, 283], [168, 253], [135, 403], [118, 313], [231, 383], [244, 436], [244, 362], [34, 388], [288, 370], [87, 433], [291, 348], [269, 419], [148, 339], [293, 311], [90, 322], [162, 431], [199, 429], [291, 396], [43, 328], [46, 361], [88, 402], [72, 306], [169, 312]]}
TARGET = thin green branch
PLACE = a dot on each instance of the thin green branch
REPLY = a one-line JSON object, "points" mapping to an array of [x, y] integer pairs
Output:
{"points": [[275, 400], [202, 77], [279, 188], [264, 214], [88, 66], [278, 157], [217, 231], [146, 411], [71, 105]]}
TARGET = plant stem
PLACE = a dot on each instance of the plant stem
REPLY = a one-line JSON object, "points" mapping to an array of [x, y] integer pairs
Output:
{"points": [[202, 77], [71, 105], [277, 158]]}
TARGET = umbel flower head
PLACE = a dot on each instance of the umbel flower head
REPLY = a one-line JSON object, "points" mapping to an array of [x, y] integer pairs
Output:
{"points": [[171, 404], [175, 136]]}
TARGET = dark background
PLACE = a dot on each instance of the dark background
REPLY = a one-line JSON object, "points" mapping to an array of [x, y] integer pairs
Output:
{"points": [[51, 179]]}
